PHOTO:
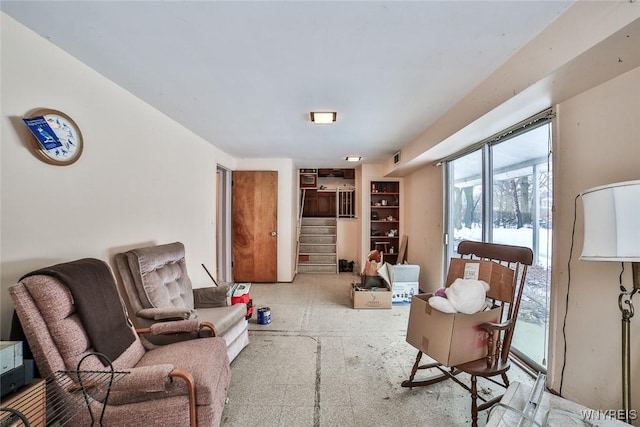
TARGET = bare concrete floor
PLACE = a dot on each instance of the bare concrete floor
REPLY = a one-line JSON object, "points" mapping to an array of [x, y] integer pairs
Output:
{"points": [[322, 363]]}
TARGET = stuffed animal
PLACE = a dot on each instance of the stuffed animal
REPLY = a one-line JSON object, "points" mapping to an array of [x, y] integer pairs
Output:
{"points": [[441, 303], [462, 296]]}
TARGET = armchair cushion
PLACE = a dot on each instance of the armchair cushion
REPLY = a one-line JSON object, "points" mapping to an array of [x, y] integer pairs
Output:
{"points": [[161, 276], [212, 297]]}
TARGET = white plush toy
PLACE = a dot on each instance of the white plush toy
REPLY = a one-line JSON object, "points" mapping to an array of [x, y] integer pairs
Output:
{"points": [[462, 296]]}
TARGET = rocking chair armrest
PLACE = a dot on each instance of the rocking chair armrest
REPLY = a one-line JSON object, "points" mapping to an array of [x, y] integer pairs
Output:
{"points": [[490, 327], [494, 344], [177, 327], [163, 314]]}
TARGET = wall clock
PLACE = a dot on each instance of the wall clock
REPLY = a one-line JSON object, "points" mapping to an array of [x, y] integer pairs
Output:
{"points": [[57, 138]]}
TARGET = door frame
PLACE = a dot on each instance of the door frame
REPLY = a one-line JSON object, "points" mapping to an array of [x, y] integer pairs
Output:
{"points": [[223, 224]]}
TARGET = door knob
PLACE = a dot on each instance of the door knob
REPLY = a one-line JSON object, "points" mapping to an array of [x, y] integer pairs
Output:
{"points": [[274, 234]]}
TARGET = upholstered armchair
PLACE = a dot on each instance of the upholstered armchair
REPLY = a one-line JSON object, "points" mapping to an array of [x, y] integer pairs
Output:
{"points": [[158, 288], [65, 324]]}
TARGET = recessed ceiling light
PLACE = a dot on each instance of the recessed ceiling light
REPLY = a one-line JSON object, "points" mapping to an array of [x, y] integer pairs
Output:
{"points": [[353, 158], [323, 117]]}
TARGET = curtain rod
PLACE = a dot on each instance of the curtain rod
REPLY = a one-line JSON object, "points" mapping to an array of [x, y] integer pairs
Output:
{"points": [[539, 118]]}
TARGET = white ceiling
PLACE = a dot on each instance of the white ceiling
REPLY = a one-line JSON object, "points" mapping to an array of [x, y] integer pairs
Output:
{"points": [[245, 75]]}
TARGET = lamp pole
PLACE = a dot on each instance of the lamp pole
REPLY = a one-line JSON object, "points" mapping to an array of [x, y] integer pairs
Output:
{"points": [[625, 297]]}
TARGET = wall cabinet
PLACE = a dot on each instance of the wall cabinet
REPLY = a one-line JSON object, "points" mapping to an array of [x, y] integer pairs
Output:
{"points": [[385, 218], [319, 203], [310, 207], [326, 203]]}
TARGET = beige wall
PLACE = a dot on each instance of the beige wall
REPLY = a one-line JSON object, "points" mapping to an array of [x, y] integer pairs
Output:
{"points": [[596, 143], [423, 201], [142, 179]]}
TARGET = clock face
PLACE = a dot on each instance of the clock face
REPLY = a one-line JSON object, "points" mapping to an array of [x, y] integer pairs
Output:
{"points": [[58, 138]]}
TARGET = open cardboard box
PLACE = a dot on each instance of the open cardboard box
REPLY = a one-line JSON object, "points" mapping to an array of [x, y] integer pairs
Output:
{"points": [[456, 338], [377, 297], [449, 338]]}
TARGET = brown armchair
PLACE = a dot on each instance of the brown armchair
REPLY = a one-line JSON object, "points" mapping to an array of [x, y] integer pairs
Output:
{"points": [[180, 384], [158, 288], [499, 334]]}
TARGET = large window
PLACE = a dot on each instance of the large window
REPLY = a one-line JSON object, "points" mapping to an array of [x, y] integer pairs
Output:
{"points": [[501, 193]]}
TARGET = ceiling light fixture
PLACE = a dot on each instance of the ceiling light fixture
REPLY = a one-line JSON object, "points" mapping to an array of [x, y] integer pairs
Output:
{"points": [[353, 158], [323, 117]]}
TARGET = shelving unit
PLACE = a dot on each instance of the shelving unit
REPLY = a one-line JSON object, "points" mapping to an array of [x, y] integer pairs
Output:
{"points": [[385, 219]]}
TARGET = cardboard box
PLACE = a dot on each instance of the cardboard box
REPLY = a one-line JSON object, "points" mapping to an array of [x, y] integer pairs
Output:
{"points": [[370, 298], [404, 282], [499, 277], [403, 292], [451, 339], [10, 355]]}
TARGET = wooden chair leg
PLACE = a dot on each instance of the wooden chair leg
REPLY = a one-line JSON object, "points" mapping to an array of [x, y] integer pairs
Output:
{"points": [[474, 403], [505, 378], [415, 366]]}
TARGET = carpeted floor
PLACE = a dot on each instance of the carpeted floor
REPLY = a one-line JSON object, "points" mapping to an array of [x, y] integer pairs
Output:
{"points": [[321, 363]]}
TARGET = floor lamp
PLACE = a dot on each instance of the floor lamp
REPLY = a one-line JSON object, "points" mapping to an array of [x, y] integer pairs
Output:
{"points": [[612, 233]]}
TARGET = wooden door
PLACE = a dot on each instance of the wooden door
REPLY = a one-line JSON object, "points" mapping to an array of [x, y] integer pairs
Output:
{"points": [[255, 226]]}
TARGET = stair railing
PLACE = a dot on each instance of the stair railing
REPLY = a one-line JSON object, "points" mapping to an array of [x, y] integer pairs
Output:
{"points": [[299, 228], [345, 203]]}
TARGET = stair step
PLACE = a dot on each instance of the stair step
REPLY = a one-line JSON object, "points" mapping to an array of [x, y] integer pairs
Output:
{"points": [[317, 239], [316, 248], [316, 268], [308, 258], [318, 221], [318, 229]]}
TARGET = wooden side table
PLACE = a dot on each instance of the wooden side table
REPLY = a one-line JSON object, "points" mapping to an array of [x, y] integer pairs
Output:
{"points": [[30, 400]]}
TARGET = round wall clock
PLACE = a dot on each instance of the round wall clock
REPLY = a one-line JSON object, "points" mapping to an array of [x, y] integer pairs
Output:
{"points": [[57, 138]]}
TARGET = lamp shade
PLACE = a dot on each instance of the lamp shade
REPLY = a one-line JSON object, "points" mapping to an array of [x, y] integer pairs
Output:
{"points": [[612, 222]]}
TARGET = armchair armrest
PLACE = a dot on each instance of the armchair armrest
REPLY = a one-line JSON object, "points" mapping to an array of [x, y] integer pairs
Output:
{"points": [[177, 327], [146, 379], [162, 314], [219, 296]]}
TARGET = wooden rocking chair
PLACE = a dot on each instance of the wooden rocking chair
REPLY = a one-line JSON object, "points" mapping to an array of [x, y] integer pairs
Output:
{"points": [[497, 362]]}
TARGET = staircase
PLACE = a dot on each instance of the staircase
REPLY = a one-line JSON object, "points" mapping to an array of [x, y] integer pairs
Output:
{"points": [[317, 249]]}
